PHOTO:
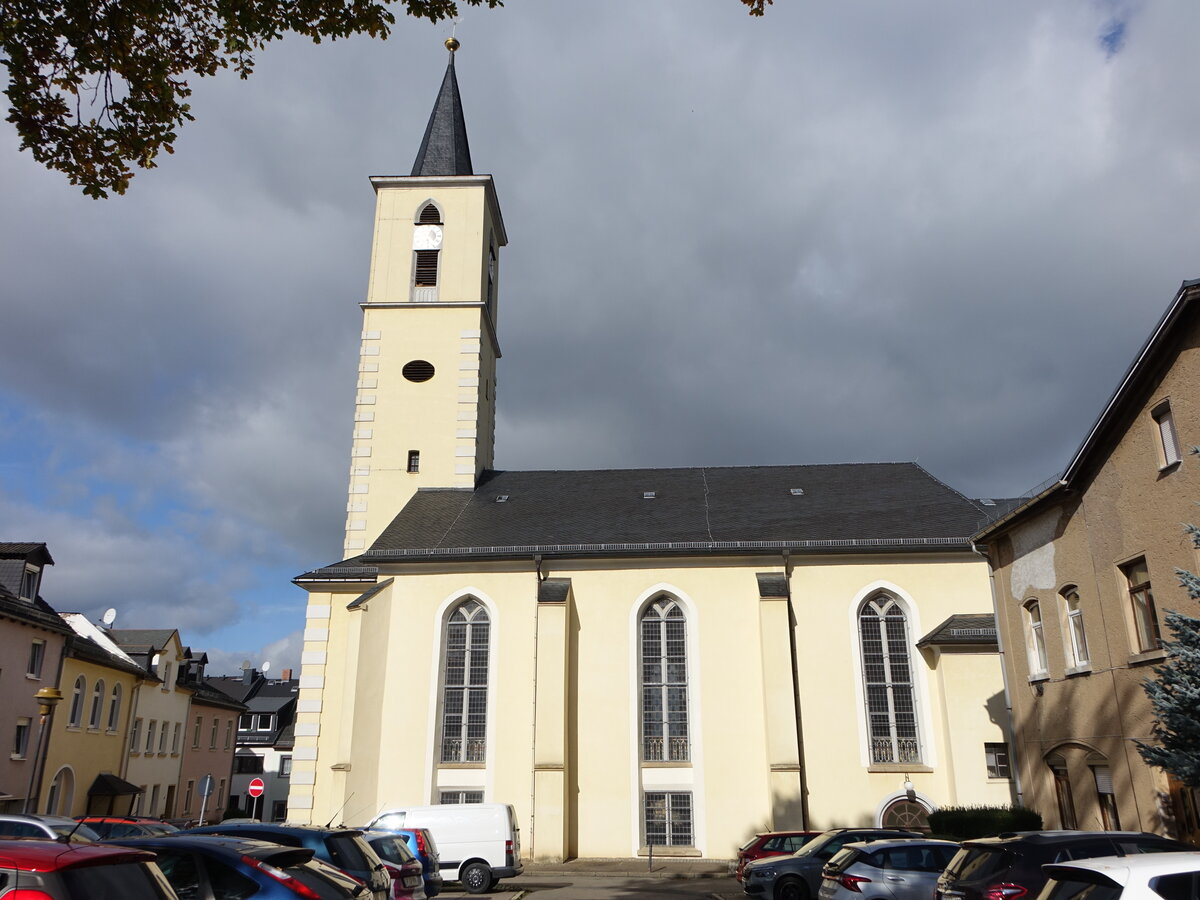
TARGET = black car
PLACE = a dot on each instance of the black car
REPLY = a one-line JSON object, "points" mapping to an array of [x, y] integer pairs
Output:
{"points": [[1009, 866], [343, 848], [798, 877]]}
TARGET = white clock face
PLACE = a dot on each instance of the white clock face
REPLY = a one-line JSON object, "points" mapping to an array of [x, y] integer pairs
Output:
{"points": [[427, 237]]}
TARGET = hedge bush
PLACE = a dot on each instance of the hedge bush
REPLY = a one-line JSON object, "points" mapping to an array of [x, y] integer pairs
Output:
{"points": [[961, 823]]}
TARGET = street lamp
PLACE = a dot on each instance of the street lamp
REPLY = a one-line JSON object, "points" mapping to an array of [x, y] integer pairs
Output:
{"points": [[47, 698]]}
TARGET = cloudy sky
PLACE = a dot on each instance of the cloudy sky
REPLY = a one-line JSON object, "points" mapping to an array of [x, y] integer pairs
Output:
{"points": [[856, 231]]}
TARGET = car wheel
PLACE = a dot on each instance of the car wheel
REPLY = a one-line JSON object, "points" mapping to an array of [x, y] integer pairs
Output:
{"points": [[476, 878], [791, 889]]}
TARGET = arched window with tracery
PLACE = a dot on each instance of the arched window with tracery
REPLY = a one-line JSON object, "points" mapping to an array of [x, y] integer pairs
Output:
{"points": [[465, 655], [663, 631], [888, 681]]}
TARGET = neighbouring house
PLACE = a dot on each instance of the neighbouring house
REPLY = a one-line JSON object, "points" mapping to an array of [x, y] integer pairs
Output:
{"points": [[265, 738], [160, 710], [642, 660], [90, 733], [210, 747], [1083, 573], [32, 643]]}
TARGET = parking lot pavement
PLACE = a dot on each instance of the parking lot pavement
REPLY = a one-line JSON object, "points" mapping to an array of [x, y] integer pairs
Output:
{"points": [[609, 886]]}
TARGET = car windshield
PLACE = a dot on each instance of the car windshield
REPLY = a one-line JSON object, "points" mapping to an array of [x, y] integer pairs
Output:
{"points": [[77, 830], [350, 853], [393, 850], [750, 843], [1071, 889], [813, 846]]}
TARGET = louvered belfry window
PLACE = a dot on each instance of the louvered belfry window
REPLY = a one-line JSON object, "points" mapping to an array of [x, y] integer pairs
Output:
{"points": [[427, 268], [465, 684], [429, 215], [664, 682], [887, 682]]}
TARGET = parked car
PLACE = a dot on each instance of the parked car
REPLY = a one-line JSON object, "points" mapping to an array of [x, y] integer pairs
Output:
{"points": [[406, 870], [125, 826], [798, 877], [480, 843], [1161, 876], [54, 828], [905, 869], [343, 848], [216, 867], [51, 870], [1009, 866], [770, 843], [420, 841]]}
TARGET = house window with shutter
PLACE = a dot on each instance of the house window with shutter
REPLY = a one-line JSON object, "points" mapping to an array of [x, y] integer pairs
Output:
{"points": [[1107, 798], [1168, 440]]}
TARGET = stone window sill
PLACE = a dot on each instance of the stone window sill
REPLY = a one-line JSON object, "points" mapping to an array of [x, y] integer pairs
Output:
{"points": [[1085, 669], [900, 767], [675, 851], [1147, 656], [1039, 676]]}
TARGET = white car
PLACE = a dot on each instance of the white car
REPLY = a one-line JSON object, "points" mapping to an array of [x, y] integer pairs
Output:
{"points": [[1173, 875]]}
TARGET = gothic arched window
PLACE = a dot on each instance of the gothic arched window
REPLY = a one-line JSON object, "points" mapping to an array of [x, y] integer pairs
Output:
{"points": [[465, 683], [663, 630], [427, 249], [114, 708], [888, 681]]}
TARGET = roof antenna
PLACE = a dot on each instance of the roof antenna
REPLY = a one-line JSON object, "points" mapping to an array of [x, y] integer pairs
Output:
{"points": [[339, 810]]}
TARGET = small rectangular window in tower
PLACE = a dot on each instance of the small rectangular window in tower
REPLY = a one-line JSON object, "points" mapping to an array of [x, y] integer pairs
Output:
{"points": [[414, 461], [1168, 440]]}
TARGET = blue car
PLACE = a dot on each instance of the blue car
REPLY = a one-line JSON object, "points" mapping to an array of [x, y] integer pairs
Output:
{"points": [[223, 868], [342, 848]]}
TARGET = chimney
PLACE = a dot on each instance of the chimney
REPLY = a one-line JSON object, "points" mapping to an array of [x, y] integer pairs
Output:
{"points": [[249, 675], [285, 675]]}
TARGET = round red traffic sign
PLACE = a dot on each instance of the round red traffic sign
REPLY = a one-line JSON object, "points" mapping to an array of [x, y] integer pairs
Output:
{"points": [[256, 788]]}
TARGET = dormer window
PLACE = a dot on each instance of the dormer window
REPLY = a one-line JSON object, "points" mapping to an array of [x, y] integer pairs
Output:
{"points": [[29, 582], [427, 250]]}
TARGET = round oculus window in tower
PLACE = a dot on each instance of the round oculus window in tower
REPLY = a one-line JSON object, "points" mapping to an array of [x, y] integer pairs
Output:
{"points": [[418, 370]]}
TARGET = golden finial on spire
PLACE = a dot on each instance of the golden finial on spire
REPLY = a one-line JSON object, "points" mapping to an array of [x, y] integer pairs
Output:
{"points": [[452, 44]]}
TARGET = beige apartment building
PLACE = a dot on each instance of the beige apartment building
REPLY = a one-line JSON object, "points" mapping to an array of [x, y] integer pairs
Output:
{"points": [[672, 658], [1083, 574]]}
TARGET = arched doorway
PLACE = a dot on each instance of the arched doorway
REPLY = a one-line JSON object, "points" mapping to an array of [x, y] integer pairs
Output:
{"points": [[62, 793]]}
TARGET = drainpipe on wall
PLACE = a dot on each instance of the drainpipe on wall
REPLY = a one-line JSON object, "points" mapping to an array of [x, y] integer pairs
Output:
{"points": [[539, 578], [1014, 762], [787, 576]]}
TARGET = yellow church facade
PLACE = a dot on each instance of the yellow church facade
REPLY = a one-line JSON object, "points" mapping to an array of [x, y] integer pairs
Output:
{"points": [[674, 658]]}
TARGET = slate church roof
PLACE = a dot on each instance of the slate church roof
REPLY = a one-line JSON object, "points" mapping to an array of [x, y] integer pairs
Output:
{"points": [[881, 507]]}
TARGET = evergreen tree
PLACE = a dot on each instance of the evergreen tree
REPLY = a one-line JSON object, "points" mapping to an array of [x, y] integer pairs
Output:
{"points": [[1174, 691]]}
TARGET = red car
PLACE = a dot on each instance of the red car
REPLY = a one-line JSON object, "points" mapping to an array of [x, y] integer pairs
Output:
{"points": [[771, 843], [49, 870]]}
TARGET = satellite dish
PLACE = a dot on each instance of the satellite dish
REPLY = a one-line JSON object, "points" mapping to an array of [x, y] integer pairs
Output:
{"points": [[110, 616], [245, 664], [154, 661], [266, 667]]}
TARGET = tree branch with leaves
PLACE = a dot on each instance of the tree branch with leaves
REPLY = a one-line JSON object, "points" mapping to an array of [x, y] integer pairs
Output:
{"points": [[97, 87]]}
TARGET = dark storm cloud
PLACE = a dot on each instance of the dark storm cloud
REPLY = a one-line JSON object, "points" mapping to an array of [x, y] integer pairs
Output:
{"points": [[858, 232]]}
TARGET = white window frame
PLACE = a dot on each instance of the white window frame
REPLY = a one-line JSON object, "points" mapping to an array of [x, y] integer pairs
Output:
{"points": [[1076, 632], [37, 659], [20, 746], [1035, 638]]}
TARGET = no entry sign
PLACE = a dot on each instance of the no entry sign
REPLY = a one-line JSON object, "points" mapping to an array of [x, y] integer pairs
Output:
{"points": [[256, 788]]}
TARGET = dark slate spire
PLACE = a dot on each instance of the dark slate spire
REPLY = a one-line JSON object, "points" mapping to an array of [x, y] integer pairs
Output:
{"points": [[444, 150]]}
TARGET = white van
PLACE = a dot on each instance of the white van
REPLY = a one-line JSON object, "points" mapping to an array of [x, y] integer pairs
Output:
{"points": [[479, 843]]}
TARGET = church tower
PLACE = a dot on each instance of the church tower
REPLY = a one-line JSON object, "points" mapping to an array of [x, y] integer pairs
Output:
{"points": [[425, 409]]}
